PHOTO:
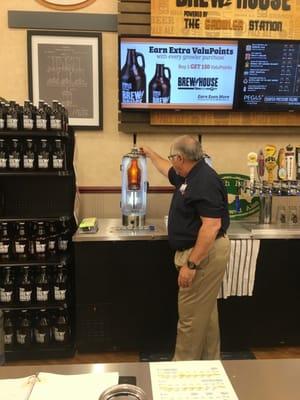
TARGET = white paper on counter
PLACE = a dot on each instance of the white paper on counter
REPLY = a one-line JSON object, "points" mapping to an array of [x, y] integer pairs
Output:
{"points": [[76, 387], [16, 389], [190, 380]]}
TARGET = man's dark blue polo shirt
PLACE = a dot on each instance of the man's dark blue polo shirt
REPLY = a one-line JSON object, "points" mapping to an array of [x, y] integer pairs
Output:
{"points": [[200, 194]]}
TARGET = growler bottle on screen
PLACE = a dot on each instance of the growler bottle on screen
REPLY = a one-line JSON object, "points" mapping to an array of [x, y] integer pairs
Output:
{"points": [[9, 330], [21, 243], [159, 86], [14, 159], [134, 175], [43, 154], [61, 327], [5, 242], [133, 78], [28, 156], [25, 285], [24, 329], [42, 329], [7, 286], [42, 285]]}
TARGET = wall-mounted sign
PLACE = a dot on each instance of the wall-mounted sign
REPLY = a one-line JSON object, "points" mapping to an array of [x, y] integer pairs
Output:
{"points": [[269, 19], [240, 203], [65, 5]]}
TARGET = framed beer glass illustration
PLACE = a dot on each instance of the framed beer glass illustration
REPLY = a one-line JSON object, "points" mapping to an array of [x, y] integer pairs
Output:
{"points": [[67, 67]]}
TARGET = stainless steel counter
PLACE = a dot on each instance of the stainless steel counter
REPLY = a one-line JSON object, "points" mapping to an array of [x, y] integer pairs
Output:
{"points": [[112, 230], [251, 379]]}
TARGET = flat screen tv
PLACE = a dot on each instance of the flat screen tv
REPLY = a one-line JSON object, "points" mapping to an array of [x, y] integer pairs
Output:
{"points": [[160, 73], [268, 75]]}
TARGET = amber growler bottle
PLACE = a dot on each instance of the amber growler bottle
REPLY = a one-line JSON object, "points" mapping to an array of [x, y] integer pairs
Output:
{"points": [[134, 175], [133, 78], [159, 86]]}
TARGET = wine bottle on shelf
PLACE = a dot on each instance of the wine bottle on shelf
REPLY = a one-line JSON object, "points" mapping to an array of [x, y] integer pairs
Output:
{"points": [[61, 327], [25, 286], [29, 156], [55, 116], [3, 155], [42, 285], [58, 155], [43, 154], [7, 287], [14, 159], [28, 116], [12, 116], [24, 334], [21, 244], [41, 116], [42, 329], [5, 242]]}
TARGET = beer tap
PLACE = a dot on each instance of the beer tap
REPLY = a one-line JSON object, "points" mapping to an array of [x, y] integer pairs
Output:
{"points": [[261, 165], [290, 160], [270, 161], [252, 164], [281, 164]]}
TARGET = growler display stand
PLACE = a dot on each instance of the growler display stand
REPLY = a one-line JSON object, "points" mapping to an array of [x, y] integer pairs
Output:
{"points": [[31, 197]]}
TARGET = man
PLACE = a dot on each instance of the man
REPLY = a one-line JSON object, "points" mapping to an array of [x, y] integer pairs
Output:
{"points": [[197, 224]]}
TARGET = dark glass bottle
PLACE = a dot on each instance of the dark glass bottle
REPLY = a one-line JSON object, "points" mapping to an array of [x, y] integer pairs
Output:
{"points": [[64, 237], [7, 286], [43, 154], [41, 116], [60, 283], [9, 330], [55, 116], [5, 242], [133, 79], [24, 329], [65, 119], [52, 238], [42, 329], [25, 285], [159, 86], [14, 159], [28, 116], [40, 242], [58, 155], [3, 155], [21, 244], [28, 156], [61, 327], [134, 175], [2, 116], [42, 285], [32, 234], [12, 116]]}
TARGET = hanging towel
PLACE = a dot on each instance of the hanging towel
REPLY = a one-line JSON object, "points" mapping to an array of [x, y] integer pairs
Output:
{"points": [[240, 271]]}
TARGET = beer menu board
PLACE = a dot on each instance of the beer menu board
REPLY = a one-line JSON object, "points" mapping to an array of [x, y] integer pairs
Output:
{"points": [[269, 77], [158, 73]]}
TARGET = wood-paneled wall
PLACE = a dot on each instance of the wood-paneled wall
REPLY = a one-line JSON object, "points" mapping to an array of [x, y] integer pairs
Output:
{"points": [[134, 18]]}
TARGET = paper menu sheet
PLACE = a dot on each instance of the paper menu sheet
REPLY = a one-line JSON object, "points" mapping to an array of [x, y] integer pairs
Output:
{"points": [[46, 386], [190, 380]]}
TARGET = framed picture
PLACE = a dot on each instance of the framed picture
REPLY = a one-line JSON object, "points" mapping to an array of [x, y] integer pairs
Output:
{"points": [[67, 66]]}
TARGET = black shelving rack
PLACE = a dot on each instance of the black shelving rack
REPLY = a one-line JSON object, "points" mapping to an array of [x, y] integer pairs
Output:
{"points": [[40, 195]]}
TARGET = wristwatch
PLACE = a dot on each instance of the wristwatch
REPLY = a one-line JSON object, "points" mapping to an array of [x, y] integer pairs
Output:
{"points": [[191, 265]]}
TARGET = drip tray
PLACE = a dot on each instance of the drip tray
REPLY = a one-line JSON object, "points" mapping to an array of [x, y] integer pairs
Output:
{"points": [[118, 229]]}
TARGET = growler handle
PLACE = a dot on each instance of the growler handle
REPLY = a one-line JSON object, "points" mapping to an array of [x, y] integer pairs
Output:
{"points": [[143, 59], [169, 72]]}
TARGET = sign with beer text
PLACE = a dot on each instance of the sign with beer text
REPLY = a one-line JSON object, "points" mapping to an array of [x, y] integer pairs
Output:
{"points": [[268, 19]]}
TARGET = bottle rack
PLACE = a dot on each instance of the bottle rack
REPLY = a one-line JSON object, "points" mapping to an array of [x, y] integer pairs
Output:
{"points": [[48, 196]]}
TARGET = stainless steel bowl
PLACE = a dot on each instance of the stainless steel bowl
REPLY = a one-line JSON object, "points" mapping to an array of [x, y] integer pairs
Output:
{"points": [[123, 392]]}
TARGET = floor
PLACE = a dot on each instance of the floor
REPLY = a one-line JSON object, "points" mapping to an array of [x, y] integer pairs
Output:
{"points": [[118, 357]]}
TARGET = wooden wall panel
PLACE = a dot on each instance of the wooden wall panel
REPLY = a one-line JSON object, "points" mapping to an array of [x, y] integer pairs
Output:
{"points": [[134, 18]]}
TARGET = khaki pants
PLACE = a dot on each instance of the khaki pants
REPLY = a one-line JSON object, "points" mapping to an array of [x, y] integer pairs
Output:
{"points": [[198, 336]]}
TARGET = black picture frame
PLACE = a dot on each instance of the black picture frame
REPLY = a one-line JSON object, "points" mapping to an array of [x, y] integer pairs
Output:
{"points": [[67, 66]]}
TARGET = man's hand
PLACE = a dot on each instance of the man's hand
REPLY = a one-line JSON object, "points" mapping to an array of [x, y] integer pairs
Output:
{"points": [[186, 276]]}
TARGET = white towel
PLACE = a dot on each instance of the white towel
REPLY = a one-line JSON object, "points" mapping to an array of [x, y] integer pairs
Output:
{"points": [[240, 271]]}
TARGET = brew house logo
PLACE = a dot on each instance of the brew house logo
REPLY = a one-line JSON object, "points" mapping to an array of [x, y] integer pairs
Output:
{"points": [[240, 4]]}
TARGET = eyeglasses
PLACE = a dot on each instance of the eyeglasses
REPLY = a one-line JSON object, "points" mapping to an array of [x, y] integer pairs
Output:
{"points": [[171, 156]]}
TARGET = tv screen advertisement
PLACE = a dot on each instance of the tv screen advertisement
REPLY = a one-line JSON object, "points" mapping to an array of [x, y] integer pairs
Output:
{"points": [[269, 76], [157, 73]]}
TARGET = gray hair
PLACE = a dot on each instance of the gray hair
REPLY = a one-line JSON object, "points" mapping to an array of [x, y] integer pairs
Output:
{"points": [[189, 147]]}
